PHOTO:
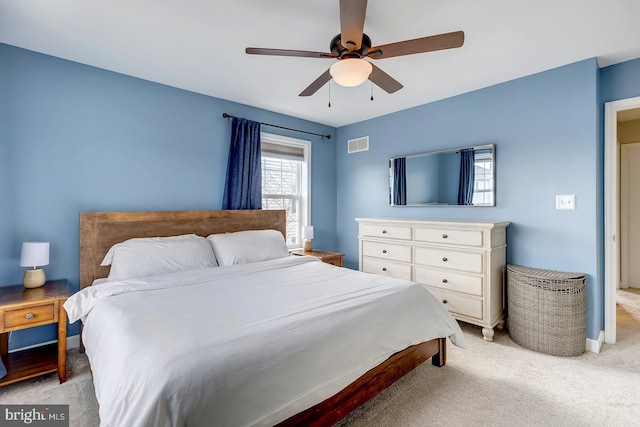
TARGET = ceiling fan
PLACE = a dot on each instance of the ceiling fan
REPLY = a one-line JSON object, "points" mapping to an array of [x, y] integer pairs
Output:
{"points": [[352, 45]]}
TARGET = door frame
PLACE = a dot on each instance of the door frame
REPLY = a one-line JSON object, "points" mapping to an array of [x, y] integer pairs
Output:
{"points": [[612, 211]]}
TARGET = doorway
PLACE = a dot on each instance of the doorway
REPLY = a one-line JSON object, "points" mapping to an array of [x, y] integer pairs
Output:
{"points": [[629, 137], [616, 204]]}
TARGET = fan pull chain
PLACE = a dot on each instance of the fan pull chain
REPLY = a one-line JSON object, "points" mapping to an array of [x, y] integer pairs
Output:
{"points": [[329, 93], [372, 91]]}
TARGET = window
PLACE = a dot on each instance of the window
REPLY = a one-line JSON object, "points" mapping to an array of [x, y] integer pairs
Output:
{"points": [[286, 181], [483, 181]]}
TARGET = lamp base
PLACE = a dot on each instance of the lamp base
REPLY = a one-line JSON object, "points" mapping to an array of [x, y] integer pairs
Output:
{"points": [[34, 278], [306, 246]]}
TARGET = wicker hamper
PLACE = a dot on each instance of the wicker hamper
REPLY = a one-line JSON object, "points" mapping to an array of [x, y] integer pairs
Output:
{"points": [[547, 310]]}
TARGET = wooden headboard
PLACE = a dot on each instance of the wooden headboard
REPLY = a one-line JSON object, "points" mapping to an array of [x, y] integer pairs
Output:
{"points": [[101, 230]]}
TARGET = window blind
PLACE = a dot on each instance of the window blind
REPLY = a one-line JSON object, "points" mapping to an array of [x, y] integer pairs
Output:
{"points": [[281, 151]]}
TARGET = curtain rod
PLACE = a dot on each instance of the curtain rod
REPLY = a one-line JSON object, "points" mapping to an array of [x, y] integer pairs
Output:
{"points": [[229, 116]]}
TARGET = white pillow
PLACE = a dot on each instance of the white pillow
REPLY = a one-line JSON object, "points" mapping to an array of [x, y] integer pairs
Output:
{"points": [[158, 255], [244, 247]]}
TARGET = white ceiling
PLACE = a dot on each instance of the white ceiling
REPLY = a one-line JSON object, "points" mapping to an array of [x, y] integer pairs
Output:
{"points": [[198, 45]]}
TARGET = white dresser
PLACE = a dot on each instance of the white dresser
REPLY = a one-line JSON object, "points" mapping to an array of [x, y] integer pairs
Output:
{"points": [[461, 262]]}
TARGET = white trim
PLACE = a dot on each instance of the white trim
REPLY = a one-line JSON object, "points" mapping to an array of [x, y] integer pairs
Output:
{"points": [[594, 346], [611, 211], [72, 342]]}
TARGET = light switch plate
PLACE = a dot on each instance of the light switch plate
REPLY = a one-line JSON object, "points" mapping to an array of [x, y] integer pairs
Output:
{"points": [[566, 201]]}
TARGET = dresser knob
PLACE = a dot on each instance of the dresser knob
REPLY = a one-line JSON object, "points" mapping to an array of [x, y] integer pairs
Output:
{"points": [[384, 231], [384, 251], [444, 301], [29, 316], [384, 268], [445, 281], [444, 258], [444, 236]]}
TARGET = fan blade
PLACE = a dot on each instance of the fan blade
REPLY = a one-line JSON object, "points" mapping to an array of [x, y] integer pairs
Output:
{"points": [[317, 84], [288, 52], [421, 45], [384, 80], [352, 14]]}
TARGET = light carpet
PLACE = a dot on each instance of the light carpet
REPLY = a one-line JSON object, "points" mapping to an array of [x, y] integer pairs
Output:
{"points": [[486, 384]]}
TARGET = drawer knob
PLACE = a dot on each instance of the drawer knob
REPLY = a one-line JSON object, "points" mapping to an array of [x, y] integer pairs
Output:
{"points": [[384, 268], [29, 316], [444, 236], [384, 231], [384, 251], [444, 301], [444, 258], [445, 281]]}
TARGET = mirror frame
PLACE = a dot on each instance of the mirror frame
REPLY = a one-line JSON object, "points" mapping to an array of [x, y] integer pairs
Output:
{"points": [[492, 147]]}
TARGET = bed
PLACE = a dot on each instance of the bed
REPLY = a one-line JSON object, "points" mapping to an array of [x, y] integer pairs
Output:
{"points": [[322, 341]]}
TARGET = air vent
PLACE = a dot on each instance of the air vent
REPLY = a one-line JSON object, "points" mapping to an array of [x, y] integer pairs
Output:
{"points": [[358, 144]]}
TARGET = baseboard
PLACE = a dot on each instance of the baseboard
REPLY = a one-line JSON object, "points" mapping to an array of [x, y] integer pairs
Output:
{"points": [[72, 342], [594, 346]]}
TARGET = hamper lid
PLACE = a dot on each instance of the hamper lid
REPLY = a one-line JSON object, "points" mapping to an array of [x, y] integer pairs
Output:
{"points": [[542, 273]]}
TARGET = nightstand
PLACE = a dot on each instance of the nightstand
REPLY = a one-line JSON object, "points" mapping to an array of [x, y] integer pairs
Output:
{"points": [[22, 308], [333, 258]]}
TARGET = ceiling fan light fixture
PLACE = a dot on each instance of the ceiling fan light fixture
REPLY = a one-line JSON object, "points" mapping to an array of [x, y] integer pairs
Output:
{"points": [[350, 72]]}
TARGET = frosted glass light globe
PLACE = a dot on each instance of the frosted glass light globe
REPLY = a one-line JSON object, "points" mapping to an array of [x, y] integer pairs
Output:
{"points": [[351, 71]]}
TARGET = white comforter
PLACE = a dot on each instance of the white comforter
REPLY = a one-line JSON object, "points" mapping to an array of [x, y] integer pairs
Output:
{"points": [[246, 344]]}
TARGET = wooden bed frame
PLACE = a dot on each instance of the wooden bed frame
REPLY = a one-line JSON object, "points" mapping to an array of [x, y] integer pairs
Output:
{"points": [[100, 230]]}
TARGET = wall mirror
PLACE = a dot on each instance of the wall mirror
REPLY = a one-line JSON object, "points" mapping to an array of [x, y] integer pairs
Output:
{"points": [[460, 177]]}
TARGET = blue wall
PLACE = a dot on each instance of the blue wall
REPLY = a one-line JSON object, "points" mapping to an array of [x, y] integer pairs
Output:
{"points": [[620, 81], [86, 139], [99, 140], [6, 199], [545, 130]]}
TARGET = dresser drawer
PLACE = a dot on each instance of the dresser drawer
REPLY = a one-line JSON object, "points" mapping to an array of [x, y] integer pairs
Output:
{"points": [[30, 316], [449, 258], [387, 251], [459, 304], [389, 231], [449, 280], [387, 268], [451, 237]]}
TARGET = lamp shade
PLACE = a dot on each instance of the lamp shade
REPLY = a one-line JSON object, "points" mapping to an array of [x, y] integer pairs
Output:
{"points": [[351, 71], [307, 232], [34, 254]]}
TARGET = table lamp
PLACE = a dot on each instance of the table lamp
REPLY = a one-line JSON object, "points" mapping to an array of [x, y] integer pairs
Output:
{"points": [[34, 254], [307, 235]]}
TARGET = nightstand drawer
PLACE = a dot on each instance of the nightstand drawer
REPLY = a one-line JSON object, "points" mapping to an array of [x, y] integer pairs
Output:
{"points": [[333, 260], [29, 316]]}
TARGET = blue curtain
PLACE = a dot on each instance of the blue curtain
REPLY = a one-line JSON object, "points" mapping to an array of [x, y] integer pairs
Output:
{"points": [[467, 176], [243, 187], [400, 181]]}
